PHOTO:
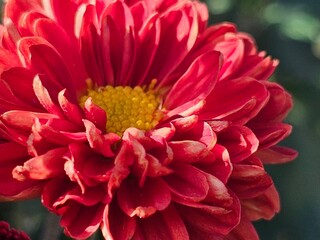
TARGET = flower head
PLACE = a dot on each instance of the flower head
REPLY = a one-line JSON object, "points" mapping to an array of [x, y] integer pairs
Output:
{"points": [[11, 234], [135, 117]]}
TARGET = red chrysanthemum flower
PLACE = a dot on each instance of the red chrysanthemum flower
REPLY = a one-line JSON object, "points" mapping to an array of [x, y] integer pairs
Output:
{"points": [[135, 117], [7, 233]]}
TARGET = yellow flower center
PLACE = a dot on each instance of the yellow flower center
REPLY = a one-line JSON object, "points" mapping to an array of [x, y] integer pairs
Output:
{"points": [[126, 106]]}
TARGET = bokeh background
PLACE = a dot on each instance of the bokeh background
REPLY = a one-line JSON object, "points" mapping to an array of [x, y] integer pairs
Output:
{"points": [[288, 30]]}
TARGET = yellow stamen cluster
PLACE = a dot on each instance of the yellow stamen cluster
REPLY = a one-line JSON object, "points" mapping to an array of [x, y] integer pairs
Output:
{"points": [[126, 107]]}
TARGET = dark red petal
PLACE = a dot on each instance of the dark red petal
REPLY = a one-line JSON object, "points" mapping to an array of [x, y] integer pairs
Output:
{"points": [[147, 44], [8, 100], [41, 56], [91, 167], [236, 100], [116, 224], [165, 225], [54, 34], [270, 134], [263, 206], [11, 152], [143, 201], [277, 155], [210, 218], [90, 46], [187, 182], [117, 27], [249, 181], [10, 188], [44, 97], [20, 81], [55, 190], [205, 43], [80, 221], [219, 165], [278, 106], [243, 231], [240, 141], [90, 197]]}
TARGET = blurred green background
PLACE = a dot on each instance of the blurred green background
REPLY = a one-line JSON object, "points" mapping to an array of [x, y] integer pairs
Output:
{"points": [[288, 30]]}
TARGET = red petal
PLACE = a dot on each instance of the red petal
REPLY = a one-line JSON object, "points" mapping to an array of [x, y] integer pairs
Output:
{"points": [[8, 60], [54, 34], [210, 218], [189, 151], [232, 49], [92, 168], [122, 162], [249, 181], [187, 182], [244, 231], [276, 155], [165, 225], [71, 110], [257, 65], [117, 225], [143, 201], [205, 71], [10, 188], [219, 165], [270, 134], [101, 143], [11, 152], [14, 8], [20, 81], [60, 7], [80, 221], [185, 123], [95, 114], [90, 46], [240, 141], [278, 106], [263, 206], [42, 167], [201, 132], [181, 26], [44, 97], [24, 120], [147, 44], [236, 100], [117, 21]]}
